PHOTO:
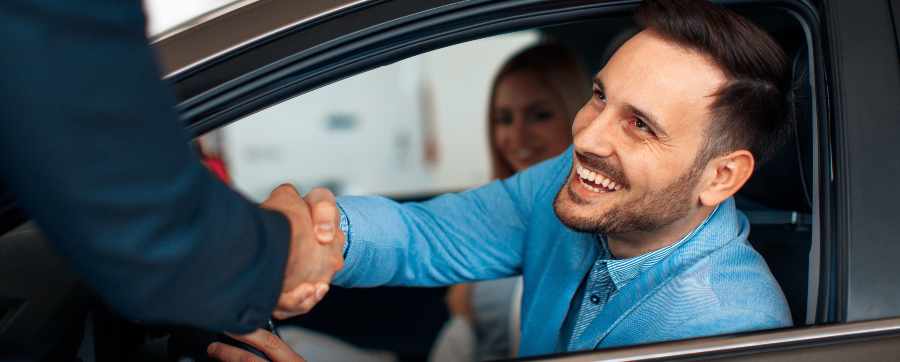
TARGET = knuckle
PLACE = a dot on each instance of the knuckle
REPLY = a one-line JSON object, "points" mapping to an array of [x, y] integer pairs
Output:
{"points": [[286, 299], [286, 189], [306, 290], [213, 349], [295, 303], [308, 305], [272, 342]]}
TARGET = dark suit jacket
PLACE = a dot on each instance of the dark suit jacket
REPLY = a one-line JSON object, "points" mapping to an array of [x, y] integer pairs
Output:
{"points": [[94, 152]]}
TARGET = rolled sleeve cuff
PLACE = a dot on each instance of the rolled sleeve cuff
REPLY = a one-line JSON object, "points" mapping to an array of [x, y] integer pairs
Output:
{"points": [[349, 208], [345, 228]]}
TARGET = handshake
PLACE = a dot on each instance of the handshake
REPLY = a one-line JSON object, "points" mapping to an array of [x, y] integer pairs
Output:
{"points": [[316, 247]]}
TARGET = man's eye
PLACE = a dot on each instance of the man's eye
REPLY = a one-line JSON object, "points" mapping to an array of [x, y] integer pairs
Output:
{"points": [[599, 95], [640, 125]]}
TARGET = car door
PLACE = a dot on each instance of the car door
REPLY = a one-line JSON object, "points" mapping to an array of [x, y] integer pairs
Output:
{"points": [[237, 62]]}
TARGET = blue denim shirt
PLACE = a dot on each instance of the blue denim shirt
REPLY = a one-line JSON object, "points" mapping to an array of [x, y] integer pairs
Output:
{"points": [[712, 283], [608, 276]]}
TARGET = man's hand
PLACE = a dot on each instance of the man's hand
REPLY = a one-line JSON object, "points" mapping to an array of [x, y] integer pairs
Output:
{"points": [[265, 342], [316, 251]]}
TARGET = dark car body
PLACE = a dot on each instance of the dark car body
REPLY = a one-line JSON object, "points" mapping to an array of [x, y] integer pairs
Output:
{"points": [[828, 228]]}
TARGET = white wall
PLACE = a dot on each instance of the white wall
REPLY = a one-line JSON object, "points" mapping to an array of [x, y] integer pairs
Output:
{"points": [[382, 152], [461, 76]]}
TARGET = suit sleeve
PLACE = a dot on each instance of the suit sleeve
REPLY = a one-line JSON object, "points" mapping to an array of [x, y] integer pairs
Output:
{"points": [[95, 154], [473, 235]]}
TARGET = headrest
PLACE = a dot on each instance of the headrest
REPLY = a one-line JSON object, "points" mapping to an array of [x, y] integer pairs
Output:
{"points": [[784, 183]]}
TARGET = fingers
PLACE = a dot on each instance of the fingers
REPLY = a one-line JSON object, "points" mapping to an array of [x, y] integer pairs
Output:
{"points": [[286, 199], [226, 353], [324, 213], [271, 345], [285, 190], [316, 248], [321, 290], [291, 303], [301, 300]]}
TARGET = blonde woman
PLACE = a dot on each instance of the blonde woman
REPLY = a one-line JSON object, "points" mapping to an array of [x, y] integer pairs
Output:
{"points": [[533, 100]]}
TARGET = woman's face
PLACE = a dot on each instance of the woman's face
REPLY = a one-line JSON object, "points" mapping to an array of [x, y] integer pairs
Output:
{"points": [[530, 121]]}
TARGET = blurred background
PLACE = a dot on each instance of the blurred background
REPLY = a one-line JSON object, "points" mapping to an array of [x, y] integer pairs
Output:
{"points": [[415, 127]]}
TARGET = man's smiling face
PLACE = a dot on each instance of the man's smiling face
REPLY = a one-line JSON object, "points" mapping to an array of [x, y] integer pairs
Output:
{"points": [[637, 138]]}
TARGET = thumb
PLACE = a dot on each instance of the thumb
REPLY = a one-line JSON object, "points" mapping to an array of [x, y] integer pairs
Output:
{"points": [[325, 214]]}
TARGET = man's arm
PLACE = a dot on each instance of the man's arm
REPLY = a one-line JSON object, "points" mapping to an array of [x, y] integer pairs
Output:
{"points": [[95, 154], [473, 235]]}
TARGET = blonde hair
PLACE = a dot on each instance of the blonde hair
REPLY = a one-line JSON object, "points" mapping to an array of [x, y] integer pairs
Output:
{"points": [[559, 70]]}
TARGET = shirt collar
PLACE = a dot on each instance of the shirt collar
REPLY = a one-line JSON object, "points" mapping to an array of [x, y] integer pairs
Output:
{"points": [[622, 271]]}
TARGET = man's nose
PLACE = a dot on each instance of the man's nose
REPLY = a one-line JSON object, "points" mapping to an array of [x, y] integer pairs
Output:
{"points": [[598, 136]]}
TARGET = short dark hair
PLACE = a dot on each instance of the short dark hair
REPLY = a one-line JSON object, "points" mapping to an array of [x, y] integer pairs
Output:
{"points": [[753, 109]]}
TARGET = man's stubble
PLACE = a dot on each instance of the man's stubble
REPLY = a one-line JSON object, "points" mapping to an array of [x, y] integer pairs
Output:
{"points": [[647, 213]]}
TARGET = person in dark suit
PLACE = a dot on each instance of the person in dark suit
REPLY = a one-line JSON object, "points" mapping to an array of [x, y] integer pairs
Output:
{"points": [[94, 152]]}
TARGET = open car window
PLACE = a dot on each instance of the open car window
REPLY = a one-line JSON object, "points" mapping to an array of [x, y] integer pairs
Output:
{"points": [[399, 124], [411, 128], [417, 127]]}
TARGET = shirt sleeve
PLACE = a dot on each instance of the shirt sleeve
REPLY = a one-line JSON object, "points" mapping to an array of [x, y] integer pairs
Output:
{"points": [[95, 154], [473, 235]]}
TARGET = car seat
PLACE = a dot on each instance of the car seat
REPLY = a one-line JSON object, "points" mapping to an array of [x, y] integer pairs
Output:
{"points": [[777, 200]]}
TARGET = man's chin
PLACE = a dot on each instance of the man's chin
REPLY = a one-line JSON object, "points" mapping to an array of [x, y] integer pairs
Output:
{"points": [[575, 211]]}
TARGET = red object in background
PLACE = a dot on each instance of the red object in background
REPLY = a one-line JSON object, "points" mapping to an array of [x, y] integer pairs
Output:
{"points": [[217, 166], [214, 163]]}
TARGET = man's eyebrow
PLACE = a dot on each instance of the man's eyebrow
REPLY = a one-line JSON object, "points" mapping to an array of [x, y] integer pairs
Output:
{"points": [[645, 116], [648, 119]]}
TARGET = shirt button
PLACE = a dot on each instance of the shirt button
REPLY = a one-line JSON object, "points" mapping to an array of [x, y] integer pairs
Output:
{"points": [[595, 299]]}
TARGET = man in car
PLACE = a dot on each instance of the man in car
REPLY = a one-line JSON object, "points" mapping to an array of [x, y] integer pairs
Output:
{"points": [[630, 236], [95, 154]]}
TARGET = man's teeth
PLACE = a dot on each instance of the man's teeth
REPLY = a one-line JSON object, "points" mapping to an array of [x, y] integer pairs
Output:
{"points": [[588, 175]]}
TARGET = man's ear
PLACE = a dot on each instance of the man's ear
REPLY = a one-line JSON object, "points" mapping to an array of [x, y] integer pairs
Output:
{"points": [[725, 175]]}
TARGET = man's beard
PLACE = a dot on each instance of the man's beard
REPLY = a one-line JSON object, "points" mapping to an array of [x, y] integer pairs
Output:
{"points": [[649, 213]]}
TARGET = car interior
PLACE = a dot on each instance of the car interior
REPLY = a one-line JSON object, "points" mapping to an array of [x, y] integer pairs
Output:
{"points": [[47, 313]]}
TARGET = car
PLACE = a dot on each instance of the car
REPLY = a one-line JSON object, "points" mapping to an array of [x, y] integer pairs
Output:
{"points": [[820, 212]]}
